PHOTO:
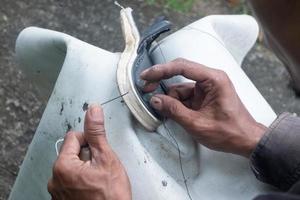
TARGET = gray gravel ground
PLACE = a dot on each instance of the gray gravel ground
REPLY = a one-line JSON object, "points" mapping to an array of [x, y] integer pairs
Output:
{"points": [[97, 22]]}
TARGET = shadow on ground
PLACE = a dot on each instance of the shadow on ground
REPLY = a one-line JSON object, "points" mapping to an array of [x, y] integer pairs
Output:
{"points": [[97, 22]]}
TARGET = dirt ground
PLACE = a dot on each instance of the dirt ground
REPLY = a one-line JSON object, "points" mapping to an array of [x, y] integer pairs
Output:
{"points": [[97, 22]]}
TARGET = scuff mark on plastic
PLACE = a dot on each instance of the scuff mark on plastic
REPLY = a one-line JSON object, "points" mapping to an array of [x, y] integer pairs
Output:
{"points": [[85, 106], [61, 108]]}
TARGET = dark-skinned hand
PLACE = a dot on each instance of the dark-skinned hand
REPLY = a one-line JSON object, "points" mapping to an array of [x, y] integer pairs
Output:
{"points": [[99, 176], [209, 109]]}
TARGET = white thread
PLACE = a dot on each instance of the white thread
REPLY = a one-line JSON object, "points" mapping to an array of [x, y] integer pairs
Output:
{"points": [[56, 145], [119, 5]]}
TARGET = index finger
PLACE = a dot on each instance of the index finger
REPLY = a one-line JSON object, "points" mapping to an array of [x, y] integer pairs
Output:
{"points": [[72, 143], [186, 68]]}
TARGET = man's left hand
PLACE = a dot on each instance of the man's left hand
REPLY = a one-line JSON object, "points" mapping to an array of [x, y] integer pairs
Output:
{"points": [[100, 177]]}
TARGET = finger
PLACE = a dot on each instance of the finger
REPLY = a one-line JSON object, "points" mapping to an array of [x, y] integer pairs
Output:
{"points": [[172, 108], [50, 186], [72, 143], [188, 69], [182, 91], [94, 132], [51, 189], [150, 86]]}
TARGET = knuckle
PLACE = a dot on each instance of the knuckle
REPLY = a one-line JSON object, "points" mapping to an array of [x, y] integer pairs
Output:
{"points": [[221, 77], [173, 108], [196, 125], [181, 64], [96, 128], [185, 67], [60, 168], [64, 172], [155, 68], [56, 168], [50, 186], [180, 60], [107, 157]]}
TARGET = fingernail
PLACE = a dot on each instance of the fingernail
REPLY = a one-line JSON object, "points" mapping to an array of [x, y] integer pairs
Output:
{"points": [[95, 110], [156, 103]]}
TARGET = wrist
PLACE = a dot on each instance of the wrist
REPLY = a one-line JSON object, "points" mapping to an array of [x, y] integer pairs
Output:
{"points": [[253, 133]]}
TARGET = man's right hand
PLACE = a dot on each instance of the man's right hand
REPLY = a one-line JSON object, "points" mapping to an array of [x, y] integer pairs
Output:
{"points": [[209, 109]]}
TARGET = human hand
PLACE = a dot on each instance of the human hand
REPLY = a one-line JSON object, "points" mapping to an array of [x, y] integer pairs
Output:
{"points": [[101, 177], [209, 109]]}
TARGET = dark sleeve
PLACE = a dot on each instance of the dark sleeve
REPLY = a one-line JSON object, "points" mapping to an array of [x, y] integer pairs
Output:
{"points": [[278, 196], [276, 158]]}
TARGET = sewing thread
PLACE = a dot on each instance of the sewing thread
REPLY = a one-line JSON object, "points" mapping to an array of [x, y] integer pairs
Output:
{"points": [[174, 139], [105, 102], [179, 158]]}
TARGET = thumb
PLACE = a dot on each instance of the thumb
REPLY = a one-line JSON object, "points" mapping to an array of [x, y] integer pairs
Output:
{"points": [[172, 108], [94, 132]]}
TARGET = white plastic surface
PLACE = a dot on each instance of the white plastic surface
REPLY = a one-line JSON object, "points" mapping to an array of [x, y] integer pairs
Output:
{"points": [[88, 74]]}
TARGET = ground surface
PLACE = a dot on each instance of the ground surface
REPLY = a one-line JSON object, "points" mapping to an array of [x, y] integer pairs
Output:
{"points": [[97, 22]]}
